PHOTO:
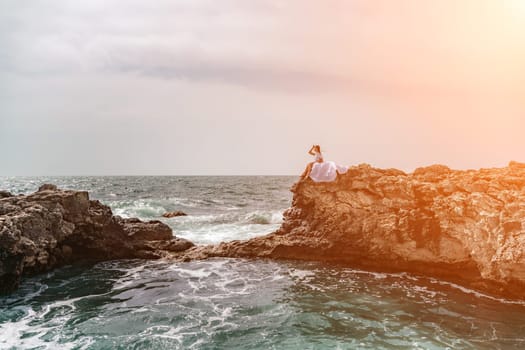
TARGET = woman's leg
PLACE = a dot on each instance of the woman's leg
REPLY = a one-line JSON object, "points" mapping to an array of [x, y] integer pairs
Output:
{"points": [[306, 171]]}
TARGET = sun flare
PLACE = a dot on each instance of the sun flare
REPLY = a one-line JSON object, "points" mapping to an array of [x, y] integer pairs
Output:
{"points": [[516, 6]]}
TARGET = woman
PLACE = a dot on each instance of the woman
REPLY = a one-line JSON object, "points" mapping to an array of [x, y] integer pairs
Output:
{"points": [[314, 151]]}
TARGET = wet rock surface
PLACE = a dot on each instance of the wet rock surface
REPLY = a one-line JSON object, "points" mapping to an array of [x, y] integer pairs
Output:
{"points": [[172, 214], [53, 227], [466, 227]]}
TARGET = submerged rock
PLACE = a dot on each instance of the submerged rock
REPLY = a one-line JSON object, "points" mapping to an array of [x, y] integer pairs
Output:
{"points": [[172, 214], [467, 227], [54, 227]]}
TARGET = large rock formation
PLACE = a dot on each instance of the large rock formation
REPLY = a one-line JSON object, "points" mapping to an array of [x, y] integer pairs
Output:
{"points": [[463, 226], [54, 227]]}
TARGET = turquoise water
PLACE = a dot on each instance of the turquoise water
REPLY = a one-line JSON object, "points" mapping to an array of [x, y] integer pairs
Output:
{"points": [[235, 303]]}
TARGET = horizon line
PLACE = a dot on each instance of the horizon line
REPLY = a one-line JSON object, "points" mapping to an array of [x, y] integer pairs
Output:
{"points": [[152, 175]]}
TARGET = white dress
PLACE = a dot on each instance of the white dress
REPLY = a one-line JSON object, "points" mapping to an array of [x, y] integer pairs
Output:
{"points": [[325, 171]]}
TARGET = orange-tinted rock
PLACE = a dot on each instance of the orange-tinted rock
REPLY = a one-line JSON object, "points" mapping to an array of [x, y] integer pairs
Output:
{"points": [[461, 226]]}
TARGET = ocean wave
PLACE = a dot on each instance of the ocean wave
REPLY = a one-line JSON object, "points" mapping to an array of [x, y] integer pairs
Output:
{"points": [[263, 217], [224, 227], [154, 208], [258, 217], [41, 328], [138, 208]]}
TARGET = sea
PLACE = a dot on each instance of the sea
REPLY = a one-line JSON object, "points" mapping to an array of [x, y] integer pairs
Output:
{"points": [[237, 303]]}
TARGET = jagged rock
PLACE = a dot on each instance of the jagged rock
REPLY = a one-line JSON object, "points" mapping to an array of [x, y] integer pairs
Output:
{"points": [[53, 227], [5, 194], [462, 226], [146, 231], [47, 187], [516, 165], [172, 214]]}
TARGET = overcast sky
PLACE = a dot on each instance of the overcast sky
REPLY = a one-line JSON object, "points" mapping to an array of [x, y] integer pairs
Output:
{"points": [[105, 87]]}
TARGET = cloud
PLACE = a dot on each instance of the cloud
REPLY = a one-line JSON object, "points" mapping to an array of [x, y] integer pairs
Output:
{"points": [[237, 43], [300, 46]]}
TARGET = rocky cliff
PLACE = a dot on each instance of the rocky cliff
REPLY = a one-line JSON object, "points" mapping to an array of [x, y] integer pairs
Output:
{"points": [[461, 226], [54, 227]]}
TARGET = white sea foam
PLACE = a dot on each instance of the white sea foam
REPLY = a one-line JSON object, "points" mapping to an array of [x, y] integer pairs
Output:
{"points": [[263, 217], [303, 275], [137, 208], [32, 332], [477, 293], [212, 229], [425, 290]]}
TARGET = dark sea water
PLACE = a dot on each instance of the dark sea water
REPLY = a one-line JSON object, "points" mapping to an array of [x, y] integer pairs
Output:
{"points": [[235, 303]]}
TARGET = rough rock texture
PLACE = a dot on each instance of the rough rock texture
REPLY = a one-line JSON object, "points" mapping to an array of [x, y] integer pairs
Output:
{"points": [[5, 194], [53, 227], [463, 226], [172, 214]]}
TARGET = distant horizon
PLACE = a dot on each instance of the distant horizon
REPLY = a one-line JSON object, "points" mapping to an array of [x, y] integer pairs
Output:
{"points": [[255, 175]]}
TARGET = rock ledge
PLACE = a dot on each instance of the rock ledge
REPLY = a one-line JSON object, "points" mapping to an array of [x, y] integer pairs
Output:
{"points": [[53, 227], [467, 227]]}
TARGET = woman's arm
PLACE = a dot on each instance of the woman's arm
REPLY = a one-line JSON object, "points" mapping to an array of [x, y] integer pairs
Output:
{"points": [[311, 151]]}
